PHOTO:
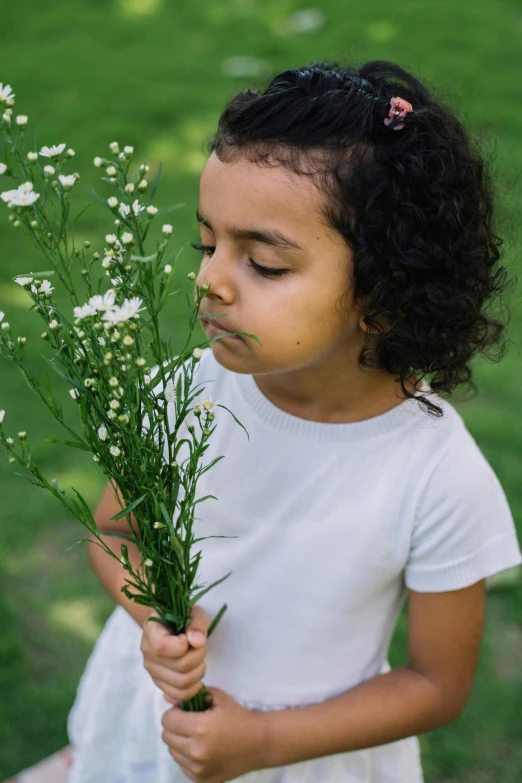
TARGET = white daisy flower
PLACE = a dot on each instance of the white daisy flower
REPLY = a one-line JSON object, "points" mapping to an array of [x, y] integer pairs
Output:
{"points": [[124, 210], [5, 92], [102, 433], [23, 280], [46, 287], [104, 302], [84, 311], [20, 198], [73, 393], [137, 208], [67, 180], [129, 309], [170, 392], [7, 195], [106, 263], [115, 451], [52, 152], [208, 404]]}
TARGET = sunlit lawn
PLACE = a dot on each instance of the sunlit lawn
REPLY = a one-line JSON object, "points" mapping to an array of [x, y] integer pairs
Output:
{"points": [[151, 74]]}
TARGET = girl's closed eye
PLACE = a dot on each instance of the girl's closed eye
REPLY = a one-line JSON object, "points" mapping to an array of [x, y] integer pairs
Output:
{"points": [[262, 270]]}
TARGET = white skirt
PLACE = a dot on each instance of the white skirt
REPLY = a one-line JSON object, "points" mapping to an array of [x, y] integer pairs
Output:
{"points": [[115, 728]]}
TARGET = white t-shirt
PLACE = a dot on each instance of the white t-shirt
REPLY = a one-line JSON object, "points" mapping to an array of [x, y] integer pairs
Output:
{"points": [[332, 522]]}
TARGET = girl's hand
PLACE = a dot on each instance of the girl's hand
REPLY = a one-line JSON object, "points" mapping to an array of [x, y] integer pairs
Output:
{"points": [[176, 663], [216, 745]]}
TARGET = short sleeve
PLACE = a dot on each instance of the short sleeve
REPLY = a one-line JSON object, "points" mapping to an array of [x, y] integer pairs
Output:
{"points": [[464, 530]]}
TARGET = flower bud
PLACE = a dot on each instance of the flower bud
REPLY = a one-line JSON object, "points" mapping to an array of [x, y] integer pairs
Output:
{"points": [[151, 210], [191, 276], [33, 224], [32, 157], [70, 153], [142, 185], [22, 435], [167, 230], [114, 146], [167, 269], [129, 187], [111, 171], [98, 162]]}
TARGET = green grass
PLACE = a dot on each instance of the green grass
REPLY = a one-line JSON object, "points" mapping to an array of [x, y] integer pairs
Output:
{"points": [[148, 73]]}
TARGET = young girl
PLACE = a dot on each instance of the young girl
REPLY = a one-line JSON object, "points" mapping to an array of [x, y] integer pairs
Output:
{"points": [[347, 220]]}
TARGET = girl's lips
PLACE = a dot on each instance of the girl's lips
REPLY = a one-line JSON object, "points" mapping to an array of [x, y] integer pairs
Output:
{"points": [[215, 328]]}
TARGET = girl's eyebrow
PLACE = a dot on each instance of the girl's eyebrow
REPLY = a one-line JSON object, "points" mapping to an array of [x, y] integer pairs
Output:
{"points": [[273, 237]]}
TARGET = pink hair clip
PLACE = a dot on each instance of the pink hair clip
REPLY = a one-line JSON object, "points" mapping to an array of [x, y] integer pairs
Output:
{"points": [[399, 108]]}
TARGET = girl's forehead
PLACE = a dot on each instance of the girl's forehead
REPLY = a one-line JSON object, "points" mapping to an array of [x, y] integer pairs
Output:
{"points": [[258, 191]]}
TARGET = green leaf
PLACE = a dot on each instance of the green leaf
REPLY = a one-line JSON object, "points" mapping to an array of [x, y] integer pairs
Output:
{"points": [[155, 184], [166, 210], [237, 420], [174, 618], [216, 619], [202, 592], [144, 258], [117, 535], [50, 397], [205, 498], [74, 444], [129, 508]]}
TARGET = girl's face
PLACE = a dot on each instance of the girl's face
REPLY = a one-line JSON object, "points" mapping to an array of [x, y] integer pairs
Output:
{"points": [[270, 217]]}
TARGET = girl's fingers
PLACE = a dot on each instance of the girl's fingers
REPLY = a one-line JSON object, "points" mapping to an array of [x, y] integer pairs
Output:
{"points": [[183, 665], [177, 694], [176, 679]]}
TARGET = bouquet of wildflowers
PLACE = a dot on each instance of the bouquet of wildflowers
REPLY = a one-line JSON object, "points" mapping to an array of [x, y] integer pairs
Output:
{"points": [[100, 350]]}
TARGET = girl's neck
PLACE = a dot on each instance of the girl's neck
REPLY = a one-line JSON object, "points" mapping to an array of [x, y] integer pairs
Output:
{"points": [[334, 400]]}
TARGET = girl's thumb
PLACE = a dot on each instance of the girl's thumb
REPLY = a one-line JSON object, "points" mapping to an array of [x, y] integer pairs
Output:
{"points": [[197, 630]]}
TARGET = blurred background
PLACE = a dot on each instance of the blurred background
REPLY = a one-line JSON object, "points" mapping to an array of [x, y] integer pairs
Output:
{"points": [[156, 75]]}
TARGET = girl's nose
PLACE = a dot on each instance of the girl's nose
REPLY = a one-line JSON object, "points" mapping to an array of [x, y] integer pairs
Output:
{"points": [[218, 274]]}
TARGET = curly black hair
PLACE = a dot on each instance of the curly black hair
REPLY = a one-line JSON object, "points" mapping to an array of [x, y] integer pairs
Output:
{"points": [[416, 206]]}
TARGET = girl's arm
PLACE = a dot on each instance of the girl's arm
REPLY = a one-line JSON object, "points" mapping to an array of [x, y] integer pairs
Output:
{"points": [[110, 571], [444, 637]]}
